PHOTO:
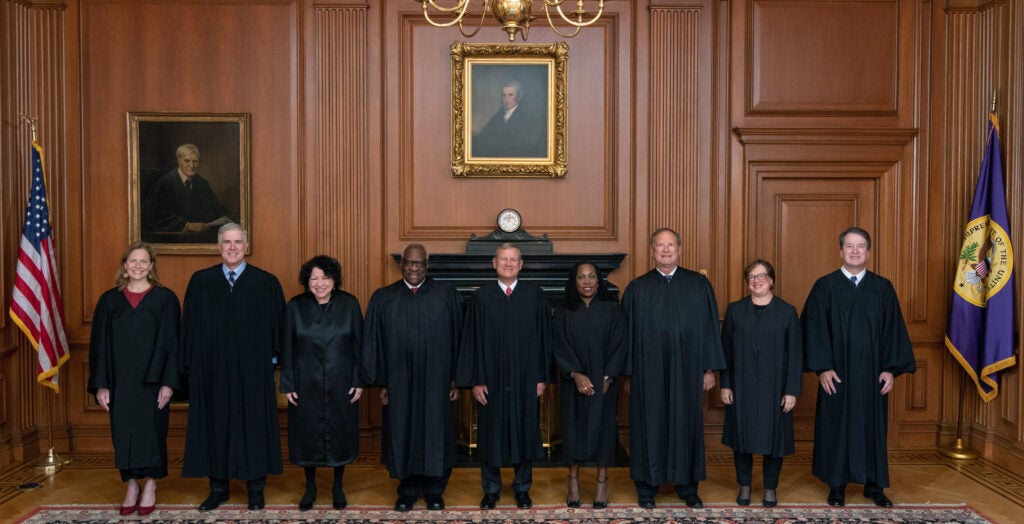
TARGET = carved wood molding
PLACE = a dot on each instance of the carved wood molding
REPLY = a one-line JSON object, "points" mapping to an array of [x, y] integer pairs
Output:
{"points": [[832, 136]]}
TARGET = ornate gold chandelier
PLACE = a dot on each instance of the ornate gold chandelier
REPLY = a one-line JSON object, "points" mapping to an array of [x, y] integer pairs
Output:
{"points": [[513, 15]]}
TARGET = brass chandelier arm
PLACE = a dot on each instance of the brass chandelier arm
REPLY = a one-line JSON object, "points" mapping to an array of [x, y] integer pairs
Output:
{"points": [[460, 9], [579, 12]]}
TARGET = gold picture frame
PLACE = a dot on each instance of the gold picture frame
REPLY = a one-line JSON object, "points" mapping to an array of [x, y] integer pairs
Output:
{"points": [[168, 200], [492, 139]]}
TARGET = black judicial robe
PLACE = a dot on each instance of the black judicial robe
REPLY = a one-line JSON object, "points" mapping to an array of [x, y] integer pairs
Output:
{"points": [[506, 346], [859, 332], [589, 340], [228, 340], [764, 361], [673, 337], [133, 352], [410, 341], [321, 349], [168, 205]]}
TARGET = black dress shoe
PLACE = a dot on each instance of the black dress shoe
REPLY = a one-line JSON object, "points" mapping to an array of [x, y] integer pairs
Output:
{"points": [[213, 501], [879, 499], [405, 503], [256, 502], [836, 497], [434, 502], [523, 500], [646, 502], [489, 500], [693, 501], [743, 497]]}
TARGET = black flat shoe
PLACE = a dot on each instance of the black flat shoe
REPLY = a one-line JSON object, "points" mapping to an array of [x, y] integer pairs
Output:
{"points": [[693, 501], [489, 500], [836, 497], [743, 497], [523, 500], [308, 498], [213, 501], [339, 501], [646, 502], [434, 502], [256, 501]]}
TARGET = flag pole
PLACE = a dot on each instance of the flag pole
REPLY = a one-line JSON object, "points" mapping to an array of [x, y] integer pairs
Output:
{"points": [[958, 451], [52, 462]]}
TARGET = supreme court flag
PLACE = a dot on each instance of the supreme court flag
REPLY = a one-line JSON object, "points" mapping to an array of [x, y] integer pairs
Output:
{"points": [[980, 334], [36, 305]]}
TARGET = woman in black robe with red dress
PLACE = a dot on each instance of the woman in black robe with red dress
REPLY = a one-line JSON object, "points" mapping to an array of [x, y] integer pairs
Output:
{"points": [[133, 370], [322, 377], [588, 334], [764, 360]]}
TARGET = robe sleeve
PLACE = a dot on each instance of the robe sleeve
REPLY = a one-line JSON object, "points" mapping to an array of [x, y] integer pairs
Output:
{"points": [[712, 357], [190, 318], [546, 371], [615, 360], [469, 369], [359, 372], [728, 326], [794, 354], [817, 334], [898, 353], [630, 321], [287, 357], [457, 316], [100, 370], [564, 353], [164, 369], [373, 341]]}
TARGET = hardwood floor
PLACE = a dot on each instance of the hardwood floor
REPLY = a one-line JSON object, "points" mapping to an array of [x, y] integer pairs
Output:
{"points": [[917, 478]]}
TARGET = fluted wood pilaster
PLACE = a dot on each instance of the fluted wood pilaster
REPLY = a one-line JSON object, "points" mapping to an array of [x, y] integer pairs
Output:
{"points": [[339, 188], [676, 196]]}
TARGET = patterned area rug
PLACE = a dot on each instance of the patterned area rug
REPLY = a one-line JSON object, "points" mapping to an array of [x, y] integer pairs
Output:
{"points": [[664, 514]]}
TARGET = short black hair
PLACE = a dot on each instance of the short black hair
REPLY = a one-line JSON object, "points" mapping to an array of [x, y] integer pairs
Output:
{"points": [[572, 300], [329, 265], [856, 230]]}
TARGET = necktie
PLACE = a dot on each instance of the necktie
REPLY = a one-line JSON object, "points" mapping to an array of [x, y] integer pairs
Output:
{"points": [[508, 291], [668, 278], [188, 185], [231, 279], [414, 290], [854, 280]]}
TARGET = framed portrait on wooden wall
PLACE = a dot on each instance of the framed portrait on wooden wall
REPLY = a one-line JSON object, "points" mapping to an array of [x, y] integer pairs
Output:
{"points": [[188, 174], [509, 109]]}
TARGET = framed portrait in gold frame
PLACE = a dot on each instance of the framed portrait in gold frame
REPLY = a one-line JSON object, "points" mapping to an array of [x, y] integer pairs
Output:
{"points": [[188, 174], [509, 110]]}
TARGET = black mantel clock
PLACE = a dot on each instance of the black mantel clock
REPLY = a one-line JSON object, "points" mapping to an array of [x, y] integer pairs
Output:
{"points": [[510, 229]]}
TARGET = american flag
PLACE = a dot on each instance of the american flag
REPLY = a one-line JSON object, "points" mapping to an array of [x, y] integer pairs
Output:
{"points": [[36, 306]]}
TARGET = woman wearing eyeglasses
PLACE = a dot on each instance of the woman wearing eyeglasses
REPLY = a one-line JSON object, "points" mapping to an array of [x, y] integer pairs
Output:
{"points": [[764, 358]]}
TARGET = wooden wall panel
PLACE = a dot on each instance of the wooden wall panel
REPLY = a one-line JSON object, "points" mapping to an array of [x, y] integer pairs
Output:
{"points": [[823, 57]]}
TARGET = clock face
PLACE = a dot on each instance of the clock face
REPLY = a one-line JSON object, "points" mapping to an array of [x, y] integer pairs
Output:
{"points": [[509, 220]]}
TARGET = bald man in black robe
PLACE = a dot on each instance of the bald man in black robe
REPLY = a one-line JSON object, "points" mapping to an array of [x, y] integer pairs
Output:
{"points": [[674, 346], [505, 357], [857, 343], [412, 333]]}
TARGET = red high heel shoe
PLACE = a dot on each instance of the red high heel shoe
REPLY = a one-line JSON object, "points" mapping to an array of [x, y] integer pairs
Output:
{"points": [[128, 510], [143, 510]]}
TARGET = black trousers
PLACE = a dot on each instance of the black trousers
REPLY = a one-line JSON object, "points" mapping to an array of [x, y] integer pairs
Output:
{"points": [[490, 478], [745, 466], [416, 485]]}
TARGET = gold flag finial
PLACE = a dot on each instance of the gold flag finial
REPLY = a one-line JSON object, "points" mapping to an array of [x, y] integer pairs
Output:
{"points": [[31, 122], [992, 108]]}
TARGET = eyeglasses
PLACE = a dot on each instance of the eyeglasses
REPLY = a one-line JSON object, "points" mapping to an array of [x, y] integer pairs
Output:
{"points": [[759, 276]]}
